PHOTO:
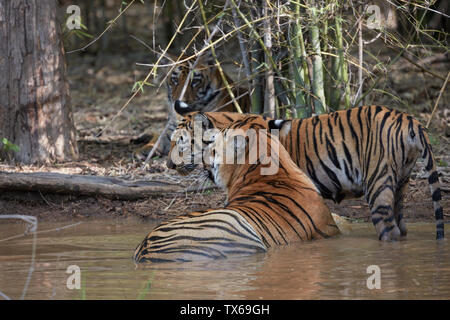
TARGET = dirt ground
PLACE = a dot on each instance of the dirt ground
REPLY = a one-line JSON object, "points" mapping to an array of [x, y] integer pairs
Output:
{"points": [[100, 86]]}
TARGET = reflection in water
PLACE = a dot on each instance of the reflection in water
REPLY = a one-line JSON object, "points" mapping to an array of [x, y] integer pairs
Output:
{"points": [[336, 268]]}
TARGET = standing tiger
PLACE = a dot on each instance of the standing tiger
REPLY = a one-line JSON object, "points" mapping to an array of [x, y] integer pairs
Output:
{"points": [[263, 210], [205, 92], [368, 151]]}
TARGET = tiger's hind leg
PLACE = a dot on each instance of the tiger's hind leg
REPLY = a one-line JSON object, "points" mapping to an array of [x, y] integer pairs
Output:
{"points": [[398, 207], [381, 203]]}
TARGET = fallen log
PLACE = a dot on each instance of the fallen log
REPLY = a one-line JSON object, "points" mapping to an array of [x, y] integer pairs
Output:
{"points": [[110, 187]]}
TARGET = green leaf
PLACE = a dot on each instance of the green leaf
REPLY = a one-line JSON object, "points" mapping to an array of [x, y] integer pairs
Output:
{"points": [[82, 34], [9, 146], [139, 86]]}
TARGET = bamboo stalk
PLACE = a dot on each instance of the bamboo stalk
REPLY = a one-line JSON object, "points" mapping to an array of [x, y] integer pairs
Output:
{"points": [[282, 102], [299, 67], [343, 67], [317, 83], [258, 87], [340, 71], [257, 61], [269, 93], [326, 63], [360, 61]]}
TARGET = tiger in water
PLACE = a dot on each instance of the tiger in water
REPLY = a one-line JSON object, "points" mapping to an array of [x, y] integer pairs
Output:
{"points": [[205, 91], [368, 151], [264, 209]]}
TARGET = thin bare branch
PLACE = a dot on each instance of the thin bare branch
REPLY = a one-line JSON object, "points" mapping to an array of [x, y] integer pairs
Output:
{"points": [[438, 99]]}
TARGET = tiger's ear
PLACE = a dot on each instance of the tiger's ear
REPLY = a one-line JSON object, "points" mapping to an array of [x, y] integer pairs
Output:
{"points": [[207, 58], [276, 124], [206, 123], [163, 66], [167, 58]]}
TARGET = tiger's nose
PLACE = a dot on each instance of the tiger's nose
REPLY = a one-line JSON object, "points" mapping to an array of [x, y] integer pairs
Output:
{"points": [[182, 107]]}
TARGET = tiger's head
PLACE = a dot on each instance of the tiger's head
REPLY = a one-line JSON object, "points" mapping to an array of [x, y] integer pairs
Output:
{"points": [[186, 139], [188, 142], [203, 89], [242, 154], [192, 141], [193, 134]]}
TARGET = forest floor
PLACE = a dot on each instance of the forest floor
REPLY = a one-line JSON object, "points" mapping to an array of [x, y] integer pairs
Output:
{"points": [[100, 86]]}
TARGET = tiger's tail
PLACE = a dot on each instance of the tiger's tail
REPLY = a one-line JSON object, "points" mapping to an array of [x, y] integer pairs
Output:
{"points": [[433, 180]]}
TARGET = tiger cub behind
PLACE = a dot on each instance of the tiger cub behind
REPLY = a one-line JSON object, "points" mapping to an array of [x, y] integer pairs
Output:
{"points": [[205, 91]]}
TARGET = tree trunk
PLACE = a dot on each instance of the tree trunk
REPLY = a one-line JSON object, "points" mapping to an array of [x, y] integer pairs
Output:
{"points": [[35, 110]]}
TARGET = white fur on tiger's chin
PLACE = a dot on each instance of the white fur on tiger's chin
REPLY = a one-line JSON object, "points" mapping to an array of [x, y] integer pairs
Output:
{"points": [[342, 223], [278, 123]]}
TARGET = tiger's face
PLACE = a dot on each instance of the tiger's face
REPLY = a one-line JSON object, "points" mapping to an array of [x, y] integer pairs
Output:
{"points": [[202, 86], [194, 132], [225, 155], [194, 145], [197, 140], [237, 154]]}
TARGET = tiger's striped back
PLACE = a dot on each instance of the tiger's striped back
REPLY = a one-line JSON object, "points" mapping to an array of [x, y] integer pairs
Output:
{"points": [[368, 151], [212, 234]]}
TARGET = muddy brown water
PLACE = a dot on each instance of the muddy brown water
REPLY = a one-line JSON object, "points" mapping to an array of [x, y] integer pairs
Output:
{"points": [[415, 268]]}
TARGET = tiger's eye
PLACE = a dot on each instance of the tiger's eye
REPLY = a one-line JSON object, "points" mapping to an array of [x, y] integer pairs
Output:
{"points": [[174, 78]]}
